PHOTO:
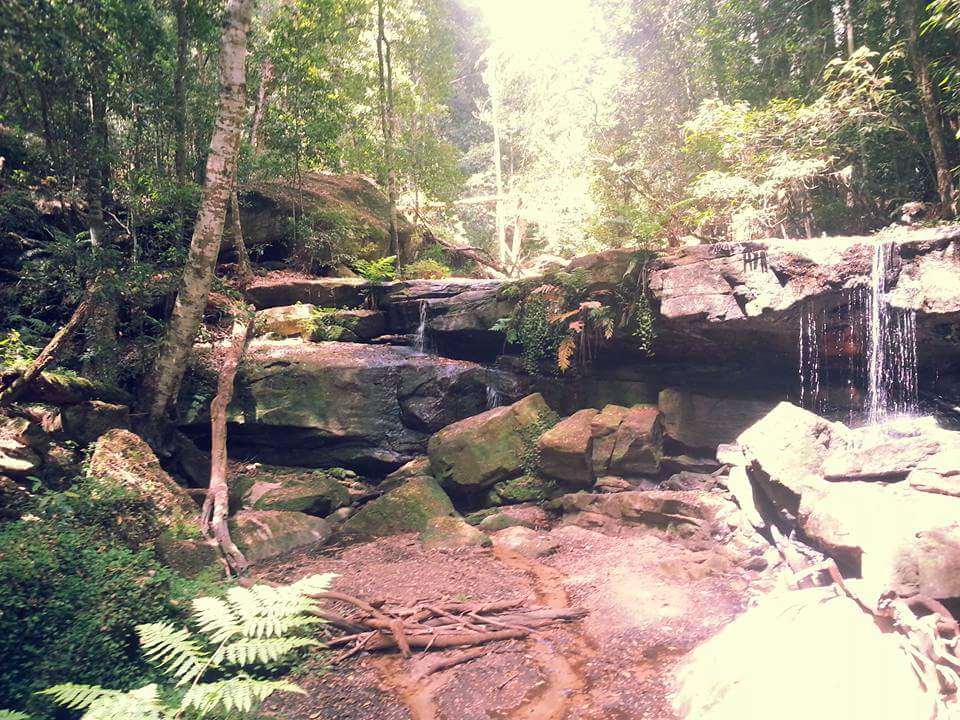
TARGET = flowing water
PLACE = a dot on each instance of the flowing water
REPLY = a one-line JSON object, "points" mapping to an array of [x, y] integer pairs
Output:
{"points": [[864, 345], [421, 338], [494, 397]]}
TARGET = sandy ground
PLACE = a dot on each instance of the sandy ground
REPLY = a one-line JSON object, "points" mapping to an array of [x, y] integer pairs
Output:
{"points": [[650, 603]]}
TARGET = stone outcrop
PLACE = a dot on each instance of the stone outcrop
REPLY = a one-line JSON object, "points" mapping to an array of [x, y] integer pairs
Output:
{"points": [[122, 459], [265, 534], [282, 290], [480, 451], [408, 508], [565, 449], [447, 531], [286, 321], [704, 421], [626, 441], [743, 300], [365, 407], [314, 494], [86, 421]]}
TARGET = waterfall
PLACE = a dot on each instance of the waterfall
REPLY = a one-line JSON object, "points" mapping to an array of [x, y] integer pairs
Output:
{"points": [[494, 398], [877, 341], [892, 358], [420, 339]]}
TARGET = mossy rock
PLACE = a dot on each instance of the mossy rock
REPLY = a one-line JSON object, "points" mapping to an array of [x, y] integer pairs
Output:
{"points": [[190, 558], [526, 488], [263, 534], [475, 518], [452, 532], [408, 508], [316, 494], [502, 521]]}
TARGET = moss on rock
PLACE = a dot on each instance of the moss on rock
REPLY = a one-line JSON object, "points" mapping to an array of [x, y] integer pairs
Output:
{"points": [[526, 488], [452, 532], [408, 508]]}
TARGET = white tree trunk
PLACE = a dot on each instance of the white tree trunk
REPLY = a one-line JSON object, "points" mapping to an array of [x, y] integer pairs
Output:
{"points": [[164, 383]]}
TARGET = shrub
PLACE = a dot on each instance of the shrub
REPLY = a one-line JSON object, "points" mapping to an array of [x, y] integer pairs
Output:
{"points": [[76, 577], [380, 270], [426, 270]]}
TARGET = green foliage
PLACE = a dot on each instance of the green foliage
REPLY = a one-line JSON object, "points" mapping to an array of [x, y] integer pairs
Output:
{"points": [[425, 270], [70, 597], [222, 667], [530, 457], [380, 270], [14, 352]]}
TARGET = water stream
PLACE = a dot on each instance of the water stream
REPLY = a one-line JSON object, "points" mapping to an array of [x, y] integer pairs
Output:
{"points": [[864, 347], [421, 339]]}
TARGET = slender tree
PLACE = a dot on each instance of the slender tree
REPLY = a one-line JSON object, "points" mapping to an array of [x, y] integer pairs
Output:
{"points": [[387, 121], [164, 382]]}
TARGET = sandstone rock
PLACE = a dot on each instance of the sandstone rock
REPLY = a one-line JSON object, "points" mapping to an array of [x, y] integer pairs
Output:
{"points": [[123, 459], [627, 441], [314, 494], [189, 557], [611, 484], [565, 449], [364, 324], [364, 407], [14, 499], [705, 521], [525, 541], [501, 521], [416, 468], [893, 536], [939, 473], [451, 532], [17, 459], [408, 508], [743, 492], [482, 450], [524, 489], [673, 464], [883, 453], [264, 534], [690, 481], [86, 421], [706, 422], [787, 449], [286, 321], [604, 270], [730, 454], [829, 644], [281, 291]]}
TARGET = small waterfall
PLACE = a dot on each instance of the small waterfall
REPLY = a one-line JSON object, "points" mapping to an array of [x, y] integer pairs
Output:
{"points": [[865, 342], [494, 397], [421, 339]]}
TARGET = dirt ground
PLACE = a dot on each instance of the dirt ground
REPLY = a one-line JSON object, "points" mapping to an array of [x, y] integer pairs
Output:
{"points": [[650, 603]]}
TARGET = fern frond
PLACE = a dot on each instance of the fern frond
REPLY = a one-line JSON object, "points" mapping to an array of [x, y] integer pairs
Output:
{"points": [[237, 694], [248, 651], [314, 583], [565, 352], [173, 649], [140, 704], [78, 697], [264, 611], [215, 618], [13, 715]]}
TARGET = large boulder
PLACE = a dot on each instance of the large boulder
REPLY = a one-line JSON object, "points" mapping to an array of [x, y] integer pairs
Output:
{"points": [[281, 290], [408, 508], [627, 441], [86, 421], [565, 449], [829, 647], [939, 473], [704, 421], [264, 534], [18, 459], [286, 321], [447, 531], [123, 459], [786, 451], [482, 450], [314, 494], [364, 407], [889, 451]]}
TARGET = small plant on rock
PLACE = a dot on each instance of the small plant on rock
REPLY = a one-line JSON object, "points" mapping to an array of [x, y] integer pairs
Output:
{"points": [[219, 669], [380, 270]]}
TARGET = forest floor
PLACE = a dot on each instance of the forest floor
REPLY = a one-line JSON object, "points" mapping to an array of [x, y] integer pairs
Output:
{"points": [[650, 603]]}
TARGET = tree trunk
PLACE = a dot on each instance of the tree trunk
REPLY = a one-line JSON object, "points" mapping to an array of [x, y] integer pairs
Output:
{"points": [[215, 512], [928, 104], [263, 101], [164, 381], [385, 73], [493, 85], [244, 273], [848, 27], [179, 92]]}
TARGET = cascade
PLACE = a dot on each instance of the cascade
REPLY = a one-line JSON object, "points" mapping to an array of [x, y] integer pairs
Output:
{"points": [[420, 339], [877, 341], [494, 398]]}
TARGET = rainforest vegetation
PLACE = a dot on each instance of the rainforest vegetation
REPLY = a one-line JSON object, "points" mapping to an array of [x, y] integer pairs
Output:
{"points": [[497, 139]]}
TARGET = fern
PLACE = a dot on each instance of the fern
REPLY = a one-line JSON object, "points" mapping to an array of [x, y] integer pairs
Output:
{"points": [[13, 715], [175, 651], [252, 627]]}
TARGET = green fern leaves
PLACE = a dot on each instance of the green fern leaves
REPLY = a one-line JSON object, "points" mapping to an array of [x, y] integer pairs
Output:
{"points": [[251, 627]]}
